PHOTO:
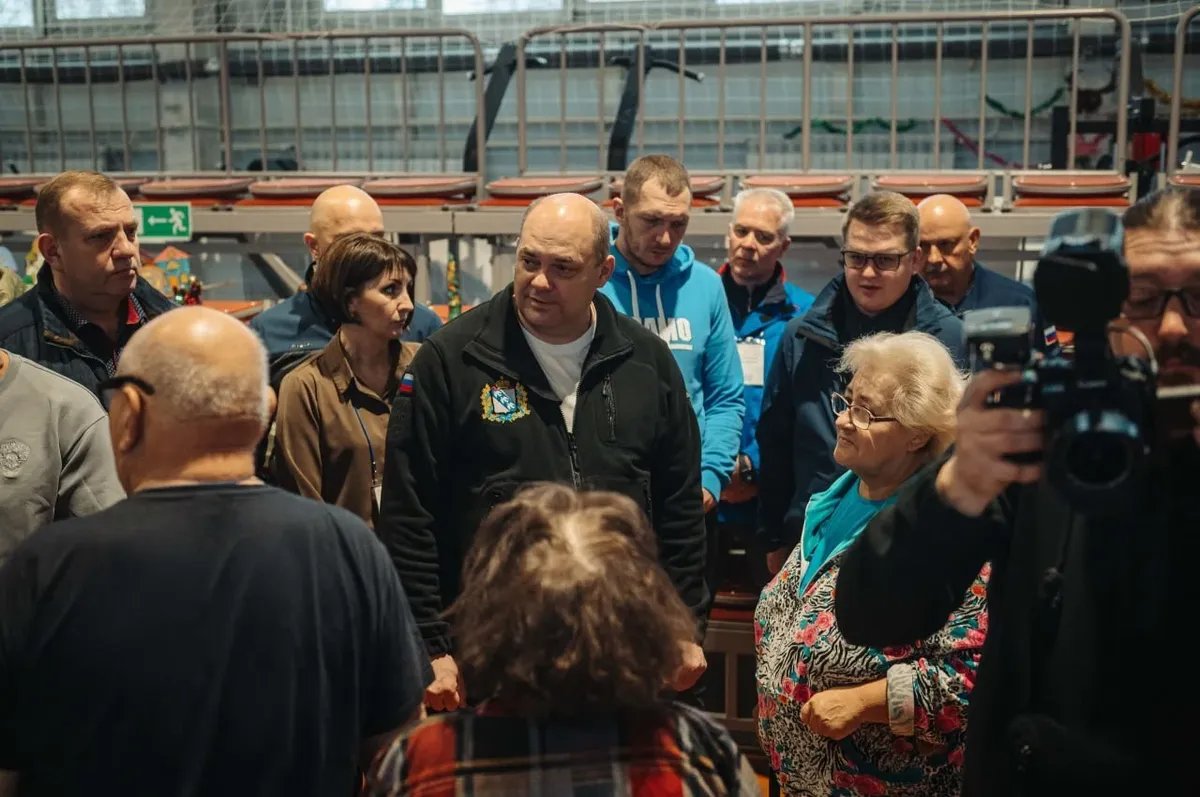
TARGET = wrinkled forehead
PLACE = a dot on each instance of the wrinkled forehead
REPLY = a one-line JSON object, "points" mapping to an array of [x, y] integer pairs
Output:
{"points": [[870, 387], [554, 241], [760, 214], [1169, 257], [83, 207], [653, 199]]}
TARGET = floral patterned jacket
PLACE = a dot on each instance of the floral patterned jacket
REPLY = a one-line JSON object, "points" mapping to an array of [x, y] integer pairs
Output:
{"points": [[800, 651]]}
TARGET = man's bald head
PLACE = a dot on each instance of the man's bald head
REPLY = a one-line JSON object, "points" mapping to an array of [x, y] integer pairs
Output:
{"points": [[194, 404], [575, 211], [945, 207], [338, 212], [203, 365], [950, 243]]}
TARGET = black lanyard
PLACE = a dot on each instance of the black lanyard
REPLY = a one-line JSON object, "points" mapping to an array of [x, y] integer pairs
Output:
{"points": [[370, 448]]}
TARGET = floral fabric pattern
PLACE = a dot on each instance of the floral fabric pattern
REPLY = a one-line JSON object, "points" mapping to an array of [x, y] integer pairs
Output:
{"points": [[800, 651]]}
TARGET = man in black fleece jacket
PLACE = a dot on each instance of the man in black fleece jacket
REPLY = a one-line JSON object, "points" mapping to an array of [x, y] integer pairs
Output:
{"points": [[544, 382]]}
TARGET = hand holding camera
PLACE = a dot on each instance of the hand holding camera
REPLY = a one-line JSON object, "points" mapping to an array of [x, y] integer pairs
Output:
{"points": [[990, 439], [1098, 404]]}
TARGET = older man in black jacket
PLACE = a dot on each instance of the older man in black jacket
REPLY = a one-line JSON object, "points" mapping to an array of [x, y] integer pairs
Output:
{"points": [[89, 299], [545, 382]]}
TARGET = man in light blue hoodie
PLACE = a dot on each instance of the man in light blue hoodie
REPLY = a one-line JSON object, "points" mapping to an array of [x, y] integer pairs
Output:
{"points": [[658, 283]]}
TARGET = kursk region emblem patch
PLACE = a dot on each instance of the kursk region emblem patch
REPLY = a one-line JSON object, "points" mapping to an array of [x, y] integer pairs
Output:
{"points": [[504, 402]]}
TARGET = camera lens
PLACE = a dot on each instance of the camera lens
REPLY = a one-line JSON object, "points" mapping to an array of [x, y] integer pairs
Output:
{"points": [[1099, 459], [1094, 457]]}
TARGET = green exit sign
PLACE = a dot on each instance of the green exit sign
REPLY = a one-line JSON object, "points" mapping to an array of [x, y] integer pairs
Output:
{"points": [[159, 222]]}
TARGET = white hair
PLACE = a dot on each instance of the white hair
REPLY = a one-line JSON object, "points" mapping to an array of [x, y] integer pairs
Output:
{"points": [[191, 387], [925, 385], [787, 211]]}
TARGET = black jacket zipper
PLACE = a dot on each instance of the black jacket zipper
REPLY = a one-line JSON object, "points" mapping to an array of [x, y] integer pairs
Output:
{"points": [[609, 407], [576, 476]]}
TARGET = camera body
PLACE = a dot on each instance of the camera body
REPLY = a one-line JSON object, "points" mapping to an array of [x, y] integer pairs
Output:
{"points": [[1098, 406]]}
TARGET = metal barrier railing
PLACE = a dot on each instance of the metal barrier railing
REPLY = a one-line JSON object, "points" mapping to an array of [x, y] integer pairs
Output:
{"points": [[166, 89], [756, 41], [1181, 34]]}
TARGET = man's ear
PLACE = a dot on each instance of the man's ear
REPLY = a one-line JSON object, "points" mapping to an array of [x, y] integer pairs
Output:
{"points": [[618, 209], [787, 242], [606, 269], [48, 247], [126, 420], [918, 260], [310, 241], [973, 240]]}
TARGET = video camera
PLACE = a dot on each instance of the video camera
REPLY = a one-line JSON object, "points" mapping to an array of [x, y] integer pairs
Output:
{"points": [[1098, 405]]}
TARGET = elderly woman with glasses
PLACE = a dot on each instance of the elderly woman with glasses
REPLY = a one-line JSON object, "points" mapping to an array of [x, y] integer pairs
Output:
{"points": [[835, 718]]}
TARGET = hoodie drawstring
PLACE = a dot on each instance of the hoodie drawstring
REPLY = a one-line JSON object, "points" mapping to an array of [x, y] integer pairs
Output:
{"points": [[637, 315]]}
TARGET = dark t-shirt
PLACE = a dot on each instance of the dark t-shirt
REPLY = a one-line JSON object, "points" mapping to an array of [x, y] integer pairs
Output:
{"points": [[202, 640]]}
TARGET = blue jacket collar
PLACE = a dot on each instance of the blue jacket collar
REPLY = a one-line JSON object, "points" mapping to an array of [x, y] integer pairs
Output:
{"points": [[770, 299], [819, 322]]}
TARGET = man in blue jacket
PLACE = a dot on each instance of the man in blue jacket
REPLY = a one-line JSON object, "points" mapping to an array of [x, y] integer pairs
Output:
{"points": [[658, 283], [957, 279], [298, 327], [877, 291], [761, 303]]}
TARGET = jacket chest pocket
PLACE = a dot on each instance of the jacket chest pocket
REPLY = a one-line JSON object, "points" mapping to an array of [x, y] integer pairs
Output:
{"points": [[625, 411]]}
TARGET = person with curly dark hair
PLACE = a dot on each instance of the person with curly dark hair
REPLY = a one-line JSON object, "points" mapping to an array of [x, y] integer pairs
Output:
{"points": [[569, 626]]}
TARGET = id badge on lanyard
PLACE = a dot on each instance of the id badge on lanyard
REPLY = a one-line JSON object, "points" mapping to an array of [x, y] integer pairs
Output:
{"points": [[753, 354]]}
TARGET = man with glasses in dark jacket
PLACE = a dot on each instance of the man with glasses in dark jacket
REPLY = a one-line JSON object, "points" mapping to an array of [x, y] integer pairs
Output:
{"points": [[878, 291]]}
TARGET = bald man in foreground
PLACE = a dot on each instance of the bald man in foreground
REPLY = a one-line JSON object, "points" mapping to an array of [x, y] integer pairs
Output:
{"points": [[959, 281], [298, 327], [544, 382], [208, 635]]}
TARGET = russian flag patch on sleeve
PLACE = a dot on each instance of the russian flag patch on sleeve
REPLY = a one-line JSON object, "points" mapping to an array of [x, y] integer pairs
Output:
{"points": [[406, 385]]}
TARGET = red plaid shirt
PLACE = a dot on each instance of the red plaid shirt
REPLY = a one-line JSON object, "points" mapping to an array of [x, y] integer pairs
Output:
{"points": [[668, 751]]}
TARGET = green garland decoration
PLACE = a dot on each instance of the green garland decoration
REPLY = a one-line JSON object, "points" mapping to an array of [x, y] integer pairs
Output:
{"points": [[902, 125], [1036, 110], [905, 125]]}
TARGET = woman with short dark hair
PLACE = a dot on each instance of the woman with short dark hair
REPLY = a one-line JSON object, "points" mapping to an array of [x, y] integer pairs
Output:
{"points": [[567, 627], [333, 412]]}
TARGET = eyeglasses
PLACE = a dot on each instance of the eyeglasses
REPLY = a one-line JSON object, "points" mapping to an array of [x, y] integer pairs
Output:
{"points": [[1155, 304], [884, 261], [860, 416], [113, 383]]}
